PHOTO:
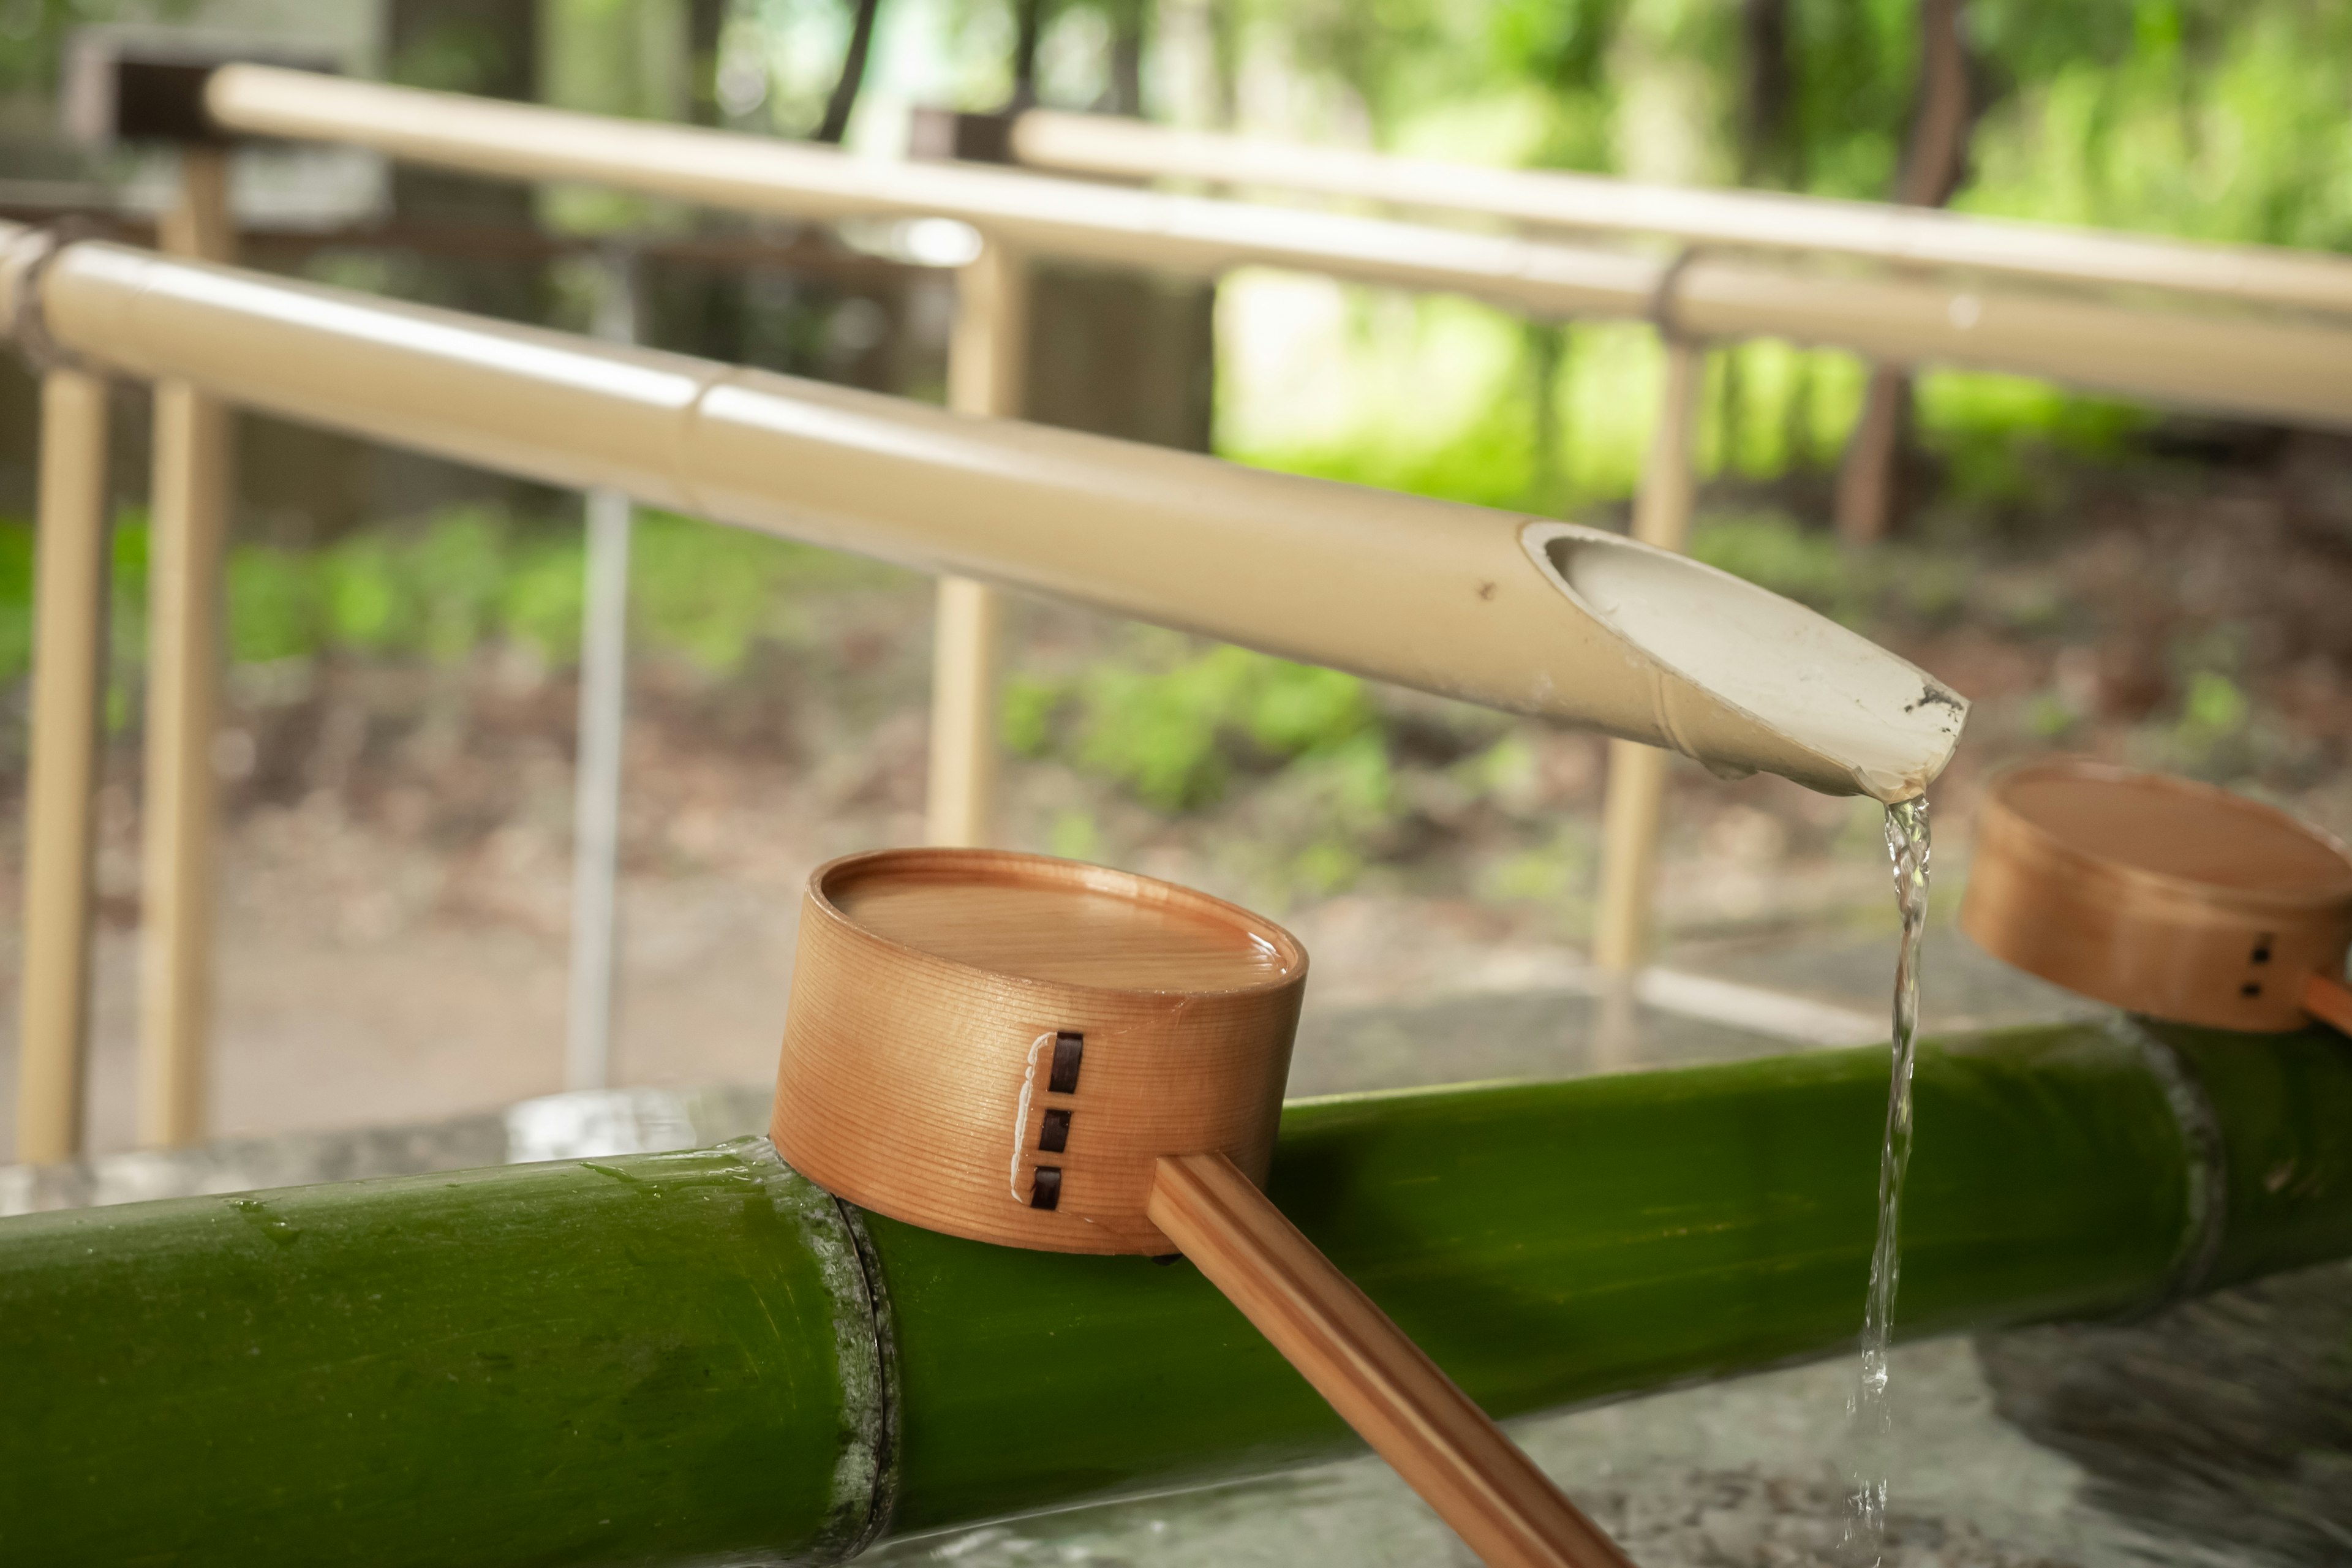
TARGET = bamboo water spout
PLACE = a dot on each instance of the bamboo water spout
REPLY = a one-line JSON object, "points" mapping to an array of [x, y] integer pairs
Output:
{"points": [[699, 1357], [1524, 615]]}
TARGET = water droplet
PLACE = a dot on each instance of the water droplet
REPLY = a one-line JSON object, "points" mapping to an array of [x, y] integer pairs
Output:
{"points": [[257, 1213]]}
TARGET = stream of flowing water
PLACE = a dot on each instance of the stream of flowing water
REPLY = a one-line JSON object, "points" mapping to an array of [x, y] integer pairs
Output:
{"points": [[1871, 1426]]}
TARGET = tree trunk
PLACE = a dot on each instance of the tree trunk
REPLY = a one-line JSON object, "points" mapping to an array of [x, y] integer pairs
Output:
{"points": [[1870, 482], [1767, 91], [838, 108], [706, 26], [1028, 26], [1125, 95]]}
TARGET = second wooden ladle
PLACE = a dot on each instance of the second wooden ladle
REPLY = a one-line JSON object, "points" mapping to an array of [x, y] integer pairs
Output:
{"points": [[1057, 1056], [2164, 896]]}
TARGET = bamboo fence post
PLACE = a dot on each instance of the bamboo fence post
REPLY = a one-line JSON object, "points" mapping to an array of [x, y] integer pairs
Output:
{"points": [[597, 781], [190, 512], [1637, 774], [986, 376], [68, 661]]}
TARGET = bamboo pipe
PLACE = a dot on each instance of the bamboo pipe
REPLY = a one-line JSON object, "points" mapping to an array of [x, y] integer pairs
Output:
{"points": [[190, 514], [1528, 616], [2294, 371], [1637, 774], [987, 375], [69, 671], [668, 1358], [1118, 147]]}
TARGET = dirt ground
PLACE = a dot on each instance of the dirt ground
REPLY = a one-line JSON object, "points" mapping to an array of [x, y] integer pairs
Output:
{"points": [[393, 927]]}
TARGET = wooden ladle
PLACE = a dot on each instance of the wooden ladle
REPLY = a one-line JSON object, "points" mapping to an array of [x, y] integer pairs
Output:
{"points": [[2163, 896], [1058, 1056]]}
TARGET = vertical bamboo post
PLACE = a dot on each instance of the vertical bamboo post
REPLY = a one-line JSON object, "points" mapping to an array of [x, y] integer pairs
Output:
{"points": [[1637, 774], [68, 660], [190, 512], [596, 780], [985, 376]]}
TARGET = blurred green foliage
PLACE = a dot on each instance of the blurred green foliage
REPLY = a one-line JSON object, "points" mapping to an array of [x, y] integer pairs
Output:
{"points": [[437, 588], [1776, 551], [2214, 120], [1175, 721]]}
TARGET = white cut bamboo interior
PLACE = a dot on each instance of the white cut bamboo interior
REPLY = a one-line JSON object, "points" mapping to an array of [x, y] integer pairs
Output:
{"points": [[986, 377], [179, 822], [69, 670], [1531, 617], [1637, 774], [2295, 371], [1127, 148]]}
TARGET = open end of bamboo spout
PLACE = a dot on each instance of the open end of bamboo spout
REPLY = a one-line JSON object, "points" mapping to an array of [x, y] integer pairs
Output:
{"points": [[1750, 680]]}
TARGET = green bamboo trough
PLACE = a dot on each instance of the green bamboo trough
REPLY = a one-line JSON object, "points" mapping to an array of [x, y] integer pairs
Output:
{"points": [[702, 1358]]}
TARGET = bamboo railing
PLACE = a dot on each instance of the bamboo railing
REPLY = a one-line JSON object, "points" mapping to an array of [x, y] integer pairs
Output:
{"points": [[1906, 239], [1905, 236], [2296, 371], [1521, 614]]}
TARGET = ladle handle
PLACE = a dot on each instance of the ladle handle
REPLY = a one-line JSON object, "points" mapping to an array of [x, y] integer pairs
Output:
{"points": [[2329, 1000], [1377, 1379]]}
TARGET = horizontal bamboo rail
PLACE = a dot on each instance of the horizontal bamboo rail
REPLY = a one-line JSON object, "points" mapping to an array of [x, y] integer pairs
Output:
{"points": [[686, 1357], [1524, 616], [1905, 236], [2295, 372]]}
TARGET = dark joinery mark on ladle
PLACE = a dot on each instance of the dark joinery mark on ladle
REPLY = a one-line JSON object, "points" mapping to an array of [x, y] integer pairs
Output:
{"points": [[1054, 1130], [1070, 1050]]}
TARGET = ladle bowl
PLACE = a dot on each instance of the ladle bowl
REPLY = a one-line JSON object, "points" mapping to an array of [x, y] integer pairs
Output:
{"points": [[1049, 1055], [2162, 896], [1002, 1045]]}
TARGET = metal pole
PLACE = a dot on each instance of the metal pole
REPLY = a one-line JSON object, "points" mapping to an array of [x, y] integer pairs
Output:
{"points": [[1637, 774], [604, 695], [190, 512], [986, 373], [69, 660]]}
